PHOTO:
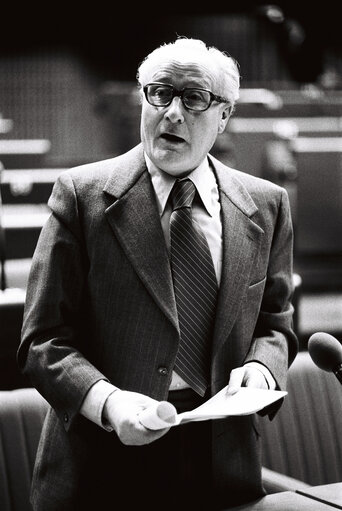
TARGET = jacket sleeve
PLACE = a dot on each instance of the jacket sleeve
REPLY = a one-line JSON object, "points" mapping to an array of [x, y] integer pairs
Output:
{"points": [[53, 349], [274, 342]]}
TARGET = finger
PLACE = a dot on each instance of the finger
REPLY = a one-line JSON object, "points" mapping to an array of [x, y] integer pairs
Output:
{"points": [[235, 380], [146, 401], [154, 435], [144, 436], [255, 378]]}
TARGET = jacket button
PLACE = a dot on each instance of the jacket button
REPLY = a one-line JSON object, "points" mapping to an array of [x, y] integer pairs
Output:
{"points": [[163, 371], [66, 417]]}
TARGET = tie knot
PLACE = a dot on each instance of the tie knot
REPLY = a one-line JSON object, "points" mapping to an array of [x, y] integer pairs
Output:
{"points": [[182, 194]]}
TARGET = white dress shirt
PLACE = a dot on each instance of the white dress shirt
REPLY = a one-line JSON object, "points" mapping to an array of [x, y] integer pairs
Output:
{"points": [[207, 213]]}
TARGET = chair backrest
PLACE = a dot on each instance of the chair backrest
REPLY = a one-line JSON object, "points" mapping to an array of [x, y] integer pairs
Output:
{"points": [[22, 412], [304, 440]]}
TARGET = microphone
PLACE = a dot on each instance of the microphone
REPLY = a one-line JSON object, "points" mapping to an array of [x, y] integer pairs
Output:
{"points": [[326, 352]]}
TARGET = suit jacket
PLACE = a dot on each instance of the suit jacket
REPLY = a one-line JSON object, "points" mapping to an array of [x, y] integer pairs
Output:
{"points": [[100, 304]]}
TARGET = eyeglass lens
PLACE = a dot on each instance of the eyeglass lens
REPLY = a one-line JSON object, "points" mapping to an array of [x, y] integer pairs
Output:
{"points": [[162, 95]]}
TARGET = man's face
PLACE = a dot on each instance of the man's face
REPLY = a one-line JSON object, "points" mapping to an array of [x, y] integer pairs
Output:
{"points": [[176, 139]]}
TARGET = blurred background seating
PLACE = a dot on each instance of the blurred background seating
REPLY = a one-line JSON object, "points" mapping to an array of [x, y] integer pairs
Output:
{"points": [[303, 440]]}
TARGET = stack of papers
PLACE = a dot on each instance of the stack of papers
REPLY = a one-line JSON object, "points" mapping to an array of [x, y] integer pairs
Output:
{"points": [[245, 401]]}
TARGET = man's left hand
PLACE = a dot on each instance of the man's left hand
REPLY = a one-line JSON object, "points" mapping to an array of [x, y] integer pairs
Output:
{"points": [[246, 376]]}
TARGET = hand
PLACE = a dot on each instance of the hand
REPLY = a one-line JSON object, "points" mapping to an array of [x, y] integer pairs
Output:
{"points": [[246, 376], [122, 410]]}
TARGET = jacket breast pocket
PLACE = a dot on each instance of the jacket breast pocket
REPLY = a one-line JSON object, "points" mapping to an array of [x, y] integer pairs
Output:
{"points": [[257, 283], [252, 305], [254, 294]]}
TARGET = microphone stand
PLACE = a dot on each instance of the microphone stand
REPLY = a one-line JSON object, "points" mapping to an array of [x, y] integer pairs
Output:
{"points": [[338, 373]]}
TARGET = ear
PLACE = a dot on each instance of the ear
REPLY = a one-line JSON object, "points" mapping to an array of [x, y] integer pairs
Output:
{"points": [[225, 114]]}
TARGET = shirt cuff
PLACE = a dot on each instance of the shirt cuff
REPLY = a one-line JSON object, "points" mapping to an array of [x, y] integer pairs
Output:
{"points": [[267, 374], [92, 406]]}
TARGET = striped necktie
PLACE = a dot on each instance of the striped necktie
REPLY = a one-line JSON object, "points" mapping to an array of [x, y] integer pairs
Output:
{"points": [[195, 287]]}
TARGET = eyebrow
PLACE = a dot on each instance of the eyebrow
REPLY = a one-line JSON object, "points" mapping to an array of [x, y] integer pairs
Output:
{"points": [[193, 83], [195, 86]]}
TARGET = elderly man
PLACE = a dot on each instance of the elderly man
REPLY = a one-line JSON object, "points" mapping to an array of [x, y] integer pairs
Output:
{"points": [[161, 274]]}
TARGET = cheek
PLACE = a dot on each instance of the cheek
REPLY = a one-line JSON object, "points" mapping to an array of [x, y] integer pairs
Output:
{"points": [[205, 134], [146, 127]]}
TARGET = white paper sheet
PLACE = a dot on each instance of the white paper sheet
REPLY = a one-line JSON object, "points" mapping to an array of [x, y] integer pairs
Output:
{"points": [[244, 402]]}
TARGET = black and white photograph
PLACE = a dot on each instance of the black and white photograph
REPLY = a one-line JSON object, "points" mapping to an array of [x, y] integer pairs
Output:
{"points": [[171, 257]]}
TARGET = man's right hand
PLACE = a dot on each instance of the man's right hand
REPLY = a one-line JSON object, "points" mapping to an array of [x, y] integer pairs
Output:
{"points": [[121, 411]]}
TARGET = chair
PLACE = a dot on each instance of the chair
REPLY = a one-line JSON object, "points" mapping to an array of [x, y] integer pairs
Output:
{"points": [[304, 439], [22, 412]]}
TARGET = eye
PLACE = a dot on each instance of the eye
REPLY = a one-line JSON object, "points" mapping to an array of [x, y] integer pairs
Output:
{"points": [[196, 95], [160, 92]]}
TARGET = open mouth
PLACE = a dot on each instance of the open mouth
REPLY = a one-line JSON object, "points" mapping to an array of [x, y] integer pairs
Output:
{"points": [[172, 138]]}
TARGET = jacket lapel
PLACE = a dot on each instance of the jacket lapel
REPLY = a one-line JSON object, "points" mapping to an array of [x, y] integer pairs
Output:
{"points": [[241, 238], [134, 218]]}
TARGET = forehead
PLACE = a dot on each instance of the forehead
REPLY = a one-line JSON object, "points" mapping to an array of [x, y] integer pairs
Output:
{"points": [[190, 72]]}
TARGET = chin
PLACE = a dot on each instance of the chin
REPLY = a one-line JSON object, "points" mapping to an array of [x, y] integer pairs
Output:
{"points": [[167, 165], [172, 162], [173, 170], [177, 166]]}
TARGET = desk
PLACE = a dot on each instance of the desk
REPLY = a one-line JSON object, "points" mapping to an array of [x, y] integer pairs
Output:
{"points": [[27, 186], [287, 501], [22, 224], [23, 153], [328, 494]]}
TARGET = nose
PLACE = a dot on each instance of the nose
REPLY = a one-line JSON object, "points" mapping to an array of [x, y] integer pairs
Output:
{"points": [[174, 112]]}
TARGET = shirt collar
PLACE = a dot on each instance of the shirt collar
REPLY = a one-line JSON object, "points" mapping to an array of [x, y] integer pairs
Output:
{"points": [[202, 177]]}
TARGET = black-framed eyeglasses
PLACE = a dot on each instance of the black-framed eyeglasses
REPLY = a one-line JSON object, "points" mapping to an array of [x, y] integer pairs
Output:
{"points": [[193, 98]]}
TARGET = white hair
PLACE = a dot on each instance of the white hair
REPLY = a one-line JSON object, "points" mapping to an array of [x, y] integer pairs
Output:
{"points": [[186, 50]]}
